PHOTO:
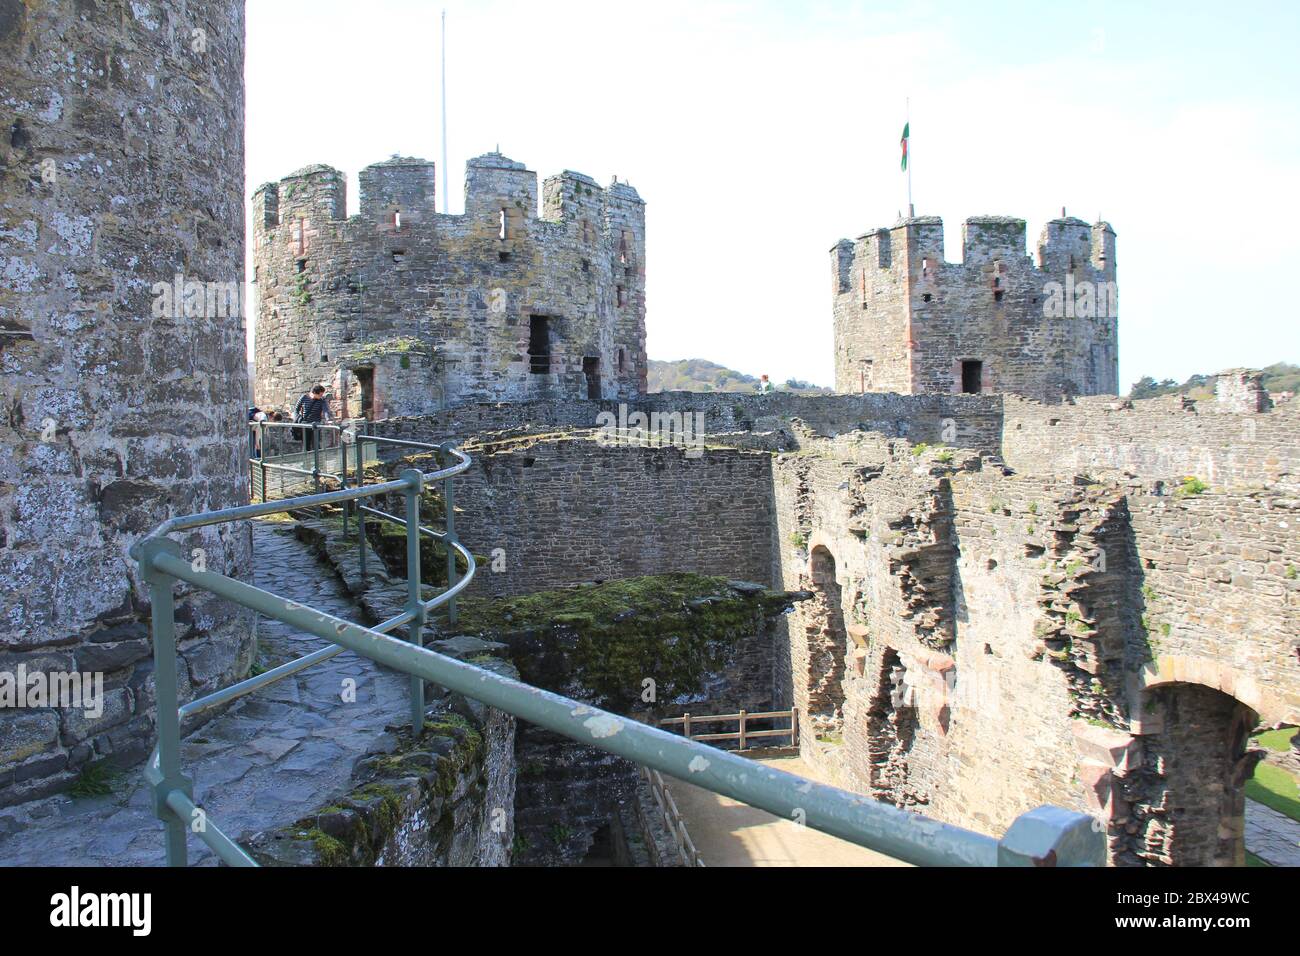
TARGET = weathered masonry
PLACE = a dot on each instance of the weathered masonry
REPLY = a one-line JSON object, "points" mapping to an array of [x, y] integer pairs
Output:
{"points": [[1044, 609], [401, 310], [908, 321], [981, 641], [121, 180]]}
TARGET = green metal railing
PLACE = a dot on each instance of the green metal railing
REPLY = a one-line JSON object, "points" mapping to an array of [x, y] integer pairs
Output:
{"points": [[1047, 836], [299, 454]]}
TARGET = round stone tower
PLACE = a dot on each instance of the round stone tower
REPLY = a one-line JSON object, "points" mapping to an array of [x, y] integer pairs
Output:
{"points": [[122, 360]]}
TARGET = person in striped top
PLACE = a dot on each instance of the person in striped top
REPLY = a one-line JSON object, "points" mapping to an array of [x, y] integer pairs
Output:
{"points": [[312, 409]]}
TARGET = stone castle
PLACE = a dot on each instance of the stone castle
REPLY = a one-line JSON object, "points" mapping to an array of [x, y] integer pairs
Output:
{"points": [[1021, 588], [402, 310], [908, 321]]}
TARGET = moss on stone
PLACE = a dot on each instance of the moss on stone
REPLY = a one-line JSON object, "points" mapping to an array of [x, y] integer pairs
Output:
{"points": [[395, 346], [329, 851], [674, 628], [389, 542], [375, 806]]}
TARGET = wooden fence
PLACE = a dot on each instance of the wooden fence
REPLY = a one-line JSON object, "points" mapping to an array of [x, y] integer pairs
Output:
{"points": [[672, 818], [743, 735]]}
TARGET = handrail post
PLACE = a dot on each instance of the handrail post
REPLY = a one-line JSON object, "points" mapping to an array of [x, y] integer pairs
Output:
{"points": [[163, 614], [414, 479], [686, 725], [794, 726], [261, 456], [742, 729], [343, 476], [361, 515], [315, 460]]}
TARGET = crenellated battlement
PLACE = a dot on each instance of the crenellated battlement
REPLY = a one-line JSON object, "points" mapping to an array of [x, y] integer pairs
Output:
{"points": [[403, 190], [1064, 244], [908, 319]]}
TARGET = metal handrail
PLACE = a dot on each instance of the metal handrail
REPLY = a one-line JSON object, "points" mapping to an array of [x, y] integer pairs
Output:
{"points": [[1045, 836], [172, 798]]}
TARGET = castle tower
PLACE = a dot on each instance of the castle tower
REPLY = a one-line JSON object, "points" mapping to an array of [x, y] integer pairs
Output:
{"points": [[121, 272], [906, 320], [404, 311]]}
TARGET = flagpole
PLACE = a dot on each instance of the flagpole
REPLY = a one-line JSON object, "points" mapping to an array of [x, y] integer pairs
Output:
{"points": [[446, 196], [911, 210]]}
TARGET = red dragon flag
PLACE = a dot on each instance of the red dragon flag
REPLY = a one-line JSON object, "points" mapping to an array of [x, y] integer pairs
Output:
{"points": [[906, 133]]}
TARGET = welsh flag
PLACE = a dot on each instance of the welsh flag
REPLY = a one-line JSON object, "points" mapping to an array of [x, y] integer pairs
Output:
{"points": [[906, 134]]}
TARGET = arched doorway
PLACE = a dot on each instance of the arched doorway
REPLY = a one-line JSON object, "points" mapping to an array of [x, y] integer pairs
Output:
{"points": [[1189, 803]]}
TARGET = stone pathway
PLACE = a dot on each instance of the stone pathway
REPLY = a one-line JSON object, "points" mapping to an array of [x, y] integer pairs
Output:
{"points": [[1273, 837], [266, 761]]}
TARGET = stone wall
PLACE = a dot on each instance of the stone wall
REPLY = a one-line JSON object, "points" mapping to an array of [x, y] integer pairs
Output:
{"points": [[981, 643], [1167, 438], [403, 311], [967, 421], [569, 510], [123, 378], [906, 319]]}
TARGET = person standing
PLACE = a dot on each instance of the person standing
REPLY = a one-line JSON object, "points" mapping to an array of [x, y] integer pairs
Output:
{"points": [[312, 409]]}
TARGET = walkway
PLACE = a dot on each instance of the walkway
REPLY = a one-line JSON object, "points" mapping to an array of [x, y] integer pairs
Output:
{"points": [[1273, 837], [267, 760], [729, 833]]}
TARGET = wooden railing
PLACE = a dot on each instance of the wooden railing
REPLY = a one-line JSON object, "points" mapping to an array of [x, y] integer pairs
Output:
{"points": [[672, 818], [743, 735]]}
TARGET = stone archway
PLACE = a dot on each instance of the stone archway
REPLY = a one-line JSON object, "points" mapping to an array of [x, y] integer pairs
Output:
{"points": [[1215, 674], [1188, 797], [821, 645]]}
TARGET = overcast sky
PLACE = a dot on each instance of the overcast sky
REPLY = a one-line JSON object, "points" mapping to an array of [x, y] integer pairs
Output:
{"points": [[761, 133]]}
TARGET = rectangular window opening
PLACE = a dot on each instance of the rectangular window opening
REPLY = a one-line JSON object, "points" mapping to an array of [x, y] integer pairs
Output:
{"points": [[539, 344], [972, 374], [591, 369]]}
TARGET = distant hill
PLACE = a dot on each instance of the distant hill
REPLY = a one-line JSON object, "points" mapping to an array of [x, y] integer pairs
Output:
{"points": [[1282, 377], [701, 375]]}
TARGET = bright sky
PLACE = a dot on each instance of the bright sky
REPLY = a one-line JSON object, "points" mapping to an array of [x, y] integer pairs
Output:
{"points": [[761, 133]]}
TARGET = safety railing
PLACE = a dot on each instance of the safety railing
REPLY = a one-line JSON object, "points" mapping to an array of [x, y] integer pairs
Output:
{"points": [[672, 818], [1047, 836], [743, 735], [298, 455]]}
